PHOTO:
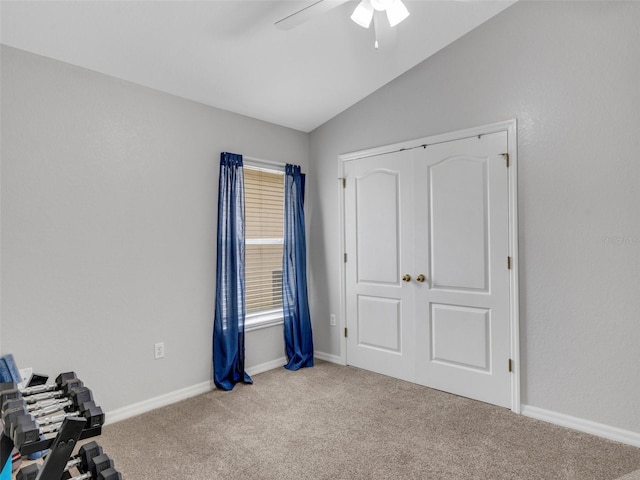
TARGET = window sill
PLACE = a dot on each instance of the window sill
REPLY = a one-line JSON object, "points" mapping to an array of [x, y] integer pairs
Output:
{"points": [[258, 321]]}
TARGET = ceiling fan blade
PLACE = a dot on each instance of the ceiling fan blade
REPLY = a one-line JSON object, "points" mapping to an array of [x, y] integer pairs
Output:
{"points": [[316, 8]]}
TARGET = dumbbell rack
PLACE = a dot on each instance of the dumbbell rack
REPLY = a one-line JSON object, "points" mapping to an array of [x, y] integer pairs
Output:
{"points": [[40, 445], [61, 446]]}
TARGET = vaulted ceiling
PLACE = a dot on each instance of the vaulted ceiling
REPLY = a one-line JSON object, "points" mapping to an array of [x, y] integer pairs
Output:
{"points": [[229, 54]]}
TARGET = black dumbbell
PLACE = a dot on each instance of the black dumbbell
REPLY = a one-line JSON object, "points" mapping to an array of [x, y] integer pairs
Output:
{"points": [[11, 398], [85, 456], [98, 464], [64, 391], [64, 381], [53, 404], [81, 399], [30, 472], [11, 413], [74, 398], [12, 403], [100, 468], [89, 410], [64, 386], [9, 394], [26, 428], [14, 407], [109, 474], [77, 397], [62, 378], [83, 461]]}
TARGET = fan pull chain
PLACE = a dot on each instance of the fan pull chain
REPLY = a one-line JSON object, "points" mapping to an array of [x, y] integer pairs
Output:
{"points": [[375, 34]]}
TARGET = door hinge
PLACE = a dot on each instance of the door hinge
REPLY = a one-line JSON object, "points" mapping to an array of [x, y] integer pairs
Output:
{"points": [[345, 332], [508, 263], [506, 158], [344, 182], [510, 365], [345, 258]]}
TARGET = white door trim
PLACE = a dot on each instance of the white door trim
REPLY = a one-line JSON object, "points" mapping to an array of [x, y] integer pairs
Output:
{"points": [[509, 126]]}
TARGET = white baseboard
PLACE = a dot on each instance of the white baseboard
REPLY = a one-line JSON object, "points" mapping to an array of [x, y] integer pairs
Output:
{"points": [[178, 395], [587, 426], [265, 367], [157, 402], [328, 357]]}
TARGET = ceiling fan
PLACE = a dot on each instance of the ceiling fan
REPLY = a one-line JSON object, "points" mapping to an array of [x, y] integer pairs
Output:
{"points": [[363, 14]]}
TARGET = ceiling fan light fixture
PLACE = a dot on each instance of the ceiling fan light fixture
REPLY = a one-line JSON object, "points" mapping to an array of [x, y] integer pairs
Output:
{"points": [[363, 14], [380, 5], [396, 12]]}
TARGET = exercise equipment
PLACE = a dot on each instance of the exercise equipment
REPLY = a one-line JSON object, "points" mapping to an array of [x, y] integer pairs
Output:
{"points": [[20, 415], [12, 403], [51, 401], [44, 407], [81, 400], [37, 379], [26, 428], [83, 461], [76, 397], [37, 397], [64, 382], [9, 415], [51, 405], [30, 472], [98, 467], [9, 394]]}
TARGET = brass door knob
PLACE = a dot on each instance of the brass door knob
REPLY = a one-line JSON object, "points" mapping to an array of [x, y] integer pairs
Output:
{"points": [[406, 278], [420, 278]]}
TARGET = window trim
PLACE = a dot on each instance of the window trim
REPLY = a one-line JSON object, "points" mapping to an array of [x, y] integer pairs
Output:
{"points": [[263, 319], [275, 316]]}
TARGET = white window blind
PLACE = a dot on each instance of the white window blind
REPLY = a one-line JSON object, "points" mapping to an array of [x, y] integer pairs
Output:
{"points": [[264, 238]]}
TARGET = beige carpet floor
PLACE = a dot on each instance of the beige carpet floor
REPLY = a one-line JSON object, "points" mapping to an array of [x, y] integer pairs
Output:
{"points": [[631, 476], [334, 422]]}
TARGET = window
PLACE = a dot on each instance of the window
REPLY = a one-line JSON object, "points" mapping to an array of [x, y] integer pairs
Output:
{"points": [[264, 239]]}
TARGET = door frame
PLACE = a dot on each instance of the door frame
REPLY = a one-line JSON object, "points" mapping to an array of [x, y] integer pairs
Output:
{"points": [[509, 126]]}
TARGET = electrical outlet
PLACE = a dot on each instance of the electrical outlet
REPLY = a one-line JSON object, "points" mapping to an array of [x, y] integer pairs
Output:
{"points": [[159, 350], [332, 320]]}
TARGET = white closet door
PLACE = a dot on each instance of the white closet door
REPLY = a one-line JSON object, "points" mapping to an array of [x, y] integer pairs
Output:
{"points": [[379, 245], [461, 247], [439, 215]]}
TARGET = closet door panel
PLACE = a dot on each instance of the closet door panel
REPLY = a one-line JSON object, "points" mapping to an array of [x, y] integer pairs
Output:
{"points": [[461, 242], [458, 206], [378, 241]]}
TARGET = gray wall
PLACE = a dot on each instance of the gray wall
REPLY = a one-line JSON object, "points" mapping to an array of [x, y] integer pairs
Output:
{"points": [[570, 73], [108, 197], [109, 211]]}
